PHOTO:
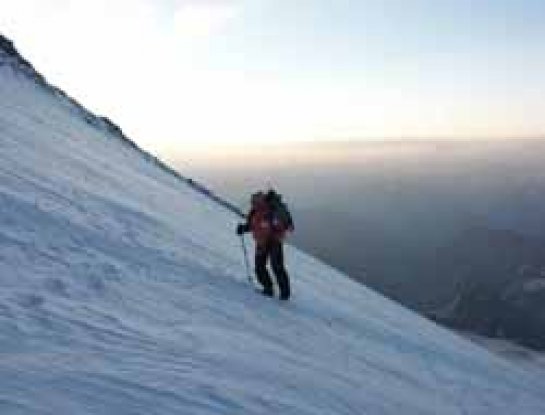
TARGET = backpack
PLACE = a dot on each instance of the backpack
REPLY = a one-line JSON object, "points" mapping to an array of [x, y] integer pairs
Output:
{"points": [[280, 215]]}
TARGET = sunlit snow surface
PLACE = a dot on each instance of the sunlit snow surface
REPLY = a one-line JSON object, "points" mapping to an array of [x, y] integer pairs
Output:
{"points": [[123, 291]]}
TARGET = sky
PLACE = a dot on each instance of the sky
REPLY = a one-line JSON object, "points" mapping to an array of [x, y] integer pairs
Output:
{"points": [[186, 76]]}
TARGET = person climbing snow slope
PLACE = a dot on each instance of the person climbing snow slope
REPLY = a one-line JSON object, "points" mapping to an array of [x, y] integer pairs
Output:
{"points": [[269, 220]]}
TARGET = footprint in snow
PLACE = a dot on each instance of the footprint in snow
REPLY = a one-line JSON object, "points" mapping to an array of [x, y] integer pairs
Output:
{"points": [[30, 300], [56, 286]]}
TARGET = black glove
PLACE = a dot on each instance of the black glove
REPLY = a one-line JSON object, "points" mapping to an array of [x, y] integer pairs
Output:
{"points": [[241, 228]]}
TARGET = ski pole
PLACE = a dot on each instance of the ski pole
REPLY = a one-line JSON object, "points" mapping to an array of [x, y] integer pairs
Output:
{"points": [[246, 262]]}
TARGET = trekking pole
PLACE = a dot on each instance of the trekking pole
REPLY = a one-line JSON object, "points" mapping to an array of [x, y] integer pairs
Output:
{"points": [[246, 262]]}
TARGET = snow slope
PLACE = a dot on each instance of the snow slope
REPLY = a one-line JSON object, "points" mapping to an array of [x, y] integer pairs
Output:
{"points": [[529, 359], [123, 291]]}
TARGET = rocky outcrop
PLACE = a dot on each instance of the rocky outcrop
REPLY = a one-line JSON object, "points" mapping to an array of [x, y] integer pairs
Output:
{"points": [[500, 278]]}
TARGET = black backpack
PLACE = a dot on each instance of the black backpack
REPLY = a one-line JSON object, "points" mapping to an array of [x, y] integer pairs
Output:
{"points": [[280, 213]]}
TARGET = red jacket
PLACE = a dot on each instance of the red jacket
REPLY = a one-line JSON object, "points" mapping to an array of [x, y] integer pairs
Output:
{"points": [[263, 226]]}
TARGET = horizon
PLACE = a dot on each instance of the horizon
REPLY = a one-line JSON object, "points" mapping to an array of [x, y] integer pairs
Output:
{"points": [[186, 76], [320, 153]]}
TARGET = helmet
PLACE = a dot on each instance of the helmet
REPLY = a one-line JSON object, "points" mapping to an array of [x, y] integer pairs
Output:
{"points": [[272, 196]]}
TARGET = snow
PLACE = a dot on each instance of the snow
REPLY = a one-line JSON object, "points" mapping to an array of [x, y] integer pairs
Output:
{"points": [[123, 291], [530, 360]]}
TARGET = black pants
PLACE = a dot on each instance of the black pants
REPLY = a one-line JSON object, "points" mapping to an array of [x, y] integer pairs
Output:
{"points": [[274, 250]]}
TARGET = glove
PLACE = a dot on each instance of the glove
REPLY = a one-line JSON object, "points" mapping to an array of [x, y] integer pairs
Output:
{"points": [[241, 229]]}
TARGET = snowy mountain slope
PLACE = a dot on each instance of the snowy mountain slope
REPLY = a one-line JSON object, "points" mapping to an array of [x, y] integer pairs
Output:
{"points": [[122, 291], [531, 360]]}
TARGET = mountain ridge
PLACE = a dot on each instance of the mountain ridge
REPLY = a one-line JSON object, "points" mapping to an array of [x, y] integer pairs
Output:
{"points": [[20, 65]]}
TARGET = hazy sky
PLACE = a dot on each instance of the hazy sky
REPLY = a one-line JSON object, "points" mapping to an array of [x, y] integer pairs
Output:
{"points": [[181, 74]]}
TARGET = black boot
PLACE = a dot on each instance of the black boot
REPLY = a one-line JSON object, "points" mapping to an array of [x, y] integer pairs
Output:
{"points": [[267, 292]]}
